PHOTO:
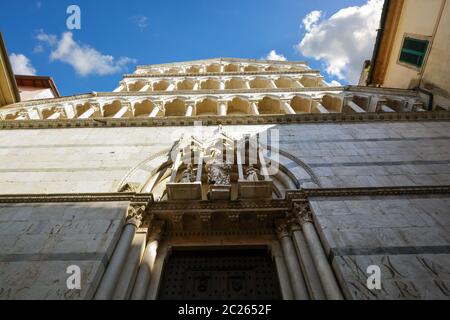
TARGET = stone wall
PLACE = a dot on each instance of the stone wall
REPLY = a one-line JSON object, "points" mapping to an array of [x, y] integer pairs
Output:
{"points": [[340, 155], [407, 237], [39, 241]]}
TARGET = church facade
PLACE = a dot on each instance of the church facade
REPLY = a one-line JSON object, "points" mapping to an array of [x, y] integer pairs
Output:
{"points": [[225, 179]]}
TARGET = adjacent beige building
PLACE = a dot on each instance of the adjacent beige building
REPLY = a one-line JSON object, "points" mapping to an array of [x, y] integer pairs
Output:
{"points": [[413, 49], [8, 89]]}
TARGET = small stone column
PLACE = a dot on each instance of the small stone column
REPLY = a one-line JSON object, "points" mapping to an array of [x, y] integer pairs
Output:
{"points": [[171, 87], [200, 166], [88, 113], [146, 87], [283, 276], [223, 108], [299, 84], [287, 107], [189, 109], [272, 83], [148, 261], [114, 268], [122, 87], [155, 111], [175, 167], [254, 108], [56, 115], [126, 107], [326, 275], [307, 264], [295, 274]]}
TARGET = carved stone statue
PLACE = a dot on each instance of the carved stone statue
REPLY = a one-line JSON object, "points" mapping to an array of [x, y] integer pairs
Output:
{"points": [[188, 175], [251, 173], [218, 173]]}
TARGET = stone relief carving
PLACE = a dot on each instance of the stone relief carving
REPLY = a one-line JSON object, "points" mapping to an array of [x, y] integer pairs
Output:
{"points": [[217, 169], [188, 175], [218, 172], [251, 174], [130, 187]]}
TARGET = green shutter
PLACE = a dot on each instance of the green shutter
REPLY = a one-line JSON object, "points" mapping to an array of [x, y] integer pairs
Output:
{"points": [[413, 51]]}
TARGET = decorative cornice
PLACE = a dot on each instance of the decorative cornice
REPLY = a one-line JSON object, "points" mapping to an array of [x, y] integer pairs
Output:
{"points": [[206, 74], [220, 59], [226, 120], [304, 194], [236, 206], [215, 206], [77, 197]]}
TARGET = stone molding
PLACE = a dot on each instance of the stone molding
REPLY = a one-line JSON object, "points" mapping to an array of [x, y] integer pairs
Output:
{"points": [[304, 194], [226, 120], [206, 74], [221, 60], [78, 197], [219, 218], [237, 206]]}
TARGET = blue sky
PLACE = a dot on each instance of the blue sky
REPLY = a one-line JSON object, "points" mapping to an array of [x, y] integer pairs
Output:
{"points": [[123, 34]]}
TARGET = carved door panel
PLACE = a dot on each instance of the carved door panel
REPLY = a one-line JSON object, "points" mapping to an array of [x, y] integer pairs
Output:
{"points": [[220, 274]]}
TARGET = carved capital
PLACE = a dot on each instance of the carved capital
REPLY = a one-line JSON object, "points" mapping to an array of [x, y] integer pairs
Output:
{"points": [[295, 225], [282, 229], [135, 215], [25, 114], [302, 212]]}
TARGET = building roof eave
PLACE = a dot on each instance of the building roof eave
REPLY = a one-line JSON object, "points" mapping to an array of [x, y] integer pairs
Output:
{"points": [[9, 71]]}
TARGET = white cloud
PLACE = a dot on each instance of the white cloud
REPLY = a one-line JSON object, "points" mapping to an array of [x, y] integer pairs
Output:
{"points": [[273, 55], [344, 40], [140, 21], [21, 64], [311, 19], [50, 39], [38, 4], [335, 83], [83, 58]]}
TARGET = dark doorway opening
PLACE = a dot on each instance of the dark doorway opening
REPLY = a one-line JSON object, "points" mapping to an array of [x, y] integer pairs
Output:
{"points": [[220, 275]]}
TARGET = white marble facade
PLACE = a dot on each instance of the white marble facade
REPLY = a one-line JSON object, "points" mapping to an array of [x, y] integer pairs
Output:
{"points": [[89, 180]]}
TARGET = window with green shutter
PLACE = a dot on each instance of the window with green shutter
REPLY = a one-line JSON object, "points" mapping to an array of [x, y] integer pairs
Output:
{"points": [[413, 51]]}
